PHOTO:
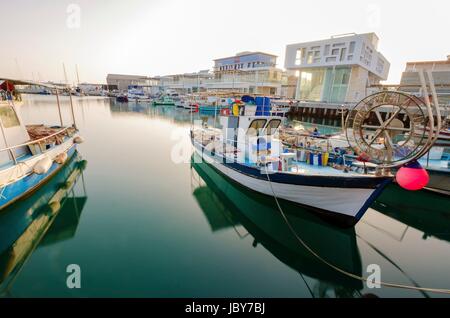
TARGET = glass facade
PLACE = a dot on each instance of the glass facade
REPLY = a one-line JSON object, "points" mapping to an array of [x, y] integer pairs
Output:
{"points": [[324, 84], [310, 85]]}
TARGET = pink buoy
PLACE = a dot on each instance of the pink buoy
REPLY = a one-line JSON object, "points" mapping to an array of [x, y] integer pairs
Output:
{"points": [[412, 176]]}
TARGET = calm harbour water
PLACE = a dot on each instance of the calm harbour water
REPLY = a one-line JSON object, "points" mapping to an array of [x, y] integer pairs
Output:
{"points": [[141, 225]]}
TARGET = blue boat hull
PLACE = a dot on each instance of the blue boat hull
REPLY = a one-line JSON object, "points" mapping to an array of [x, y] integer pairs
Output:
{"points": [[30, 183]]}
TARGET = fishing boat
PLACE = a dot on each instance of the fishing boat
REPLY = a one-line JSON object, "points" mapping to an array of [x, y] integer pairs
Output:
{"points": [[210, 105], [247, 149], [137, 94], [164, 101], [30, 154]]}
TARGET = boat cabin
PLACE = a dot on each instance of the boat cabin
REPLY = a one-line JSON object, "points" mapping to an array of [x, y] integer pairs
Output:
{"points": [[13, 129]]}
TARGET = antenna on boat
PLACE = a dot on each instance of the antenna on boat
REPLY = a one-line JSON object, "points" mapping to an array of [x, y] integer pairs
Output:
{"points": [[65, 74], [70, 98], [78, 76]]}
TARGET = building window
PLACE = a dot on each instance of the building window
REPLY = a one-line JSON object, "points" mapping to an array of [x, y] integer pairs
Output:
{"points": [[298, 57], [310, 85], [338, 44], [327, 50], [310, 58], [335, 52], [331, 59], [256, 126], [343, 52], [336, 85], [352, 47]]}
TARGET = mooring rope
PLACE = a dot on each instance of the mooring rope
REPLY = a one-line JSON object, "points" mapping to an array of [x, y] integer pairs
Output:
{"points": [[338, 269]]}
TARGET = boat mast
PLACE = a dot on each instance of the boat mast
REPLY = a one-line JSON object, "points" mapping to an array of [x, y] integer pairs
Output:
{"points": [[78, 76], [10, 99]]}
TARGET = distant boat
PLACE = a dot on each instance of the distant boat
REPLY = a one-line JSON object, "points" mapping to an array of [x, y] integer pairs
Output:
{"points": [[137, 94], [34, 89], [122, 98], [32, 154], [164, 101]]}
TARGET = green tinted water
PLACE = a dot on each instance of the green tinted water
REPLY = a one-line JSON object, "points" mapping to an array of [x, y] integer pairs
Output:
{"points": [[140, 224]]}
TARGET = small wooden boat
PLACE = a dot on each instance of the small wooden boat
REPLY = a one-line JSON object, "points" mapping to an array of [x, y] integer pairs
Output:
{"points": [[30, 155]]}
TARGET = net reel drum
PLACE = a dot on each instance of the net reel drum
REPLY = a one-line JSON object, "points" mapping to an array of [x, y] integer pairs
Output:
{"points": [[393, 128]]}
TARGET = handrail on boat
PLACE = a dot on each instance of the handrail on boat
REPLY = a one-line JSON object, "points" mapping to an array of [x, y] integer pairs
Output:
{"points": [[32, 142], [35, 141]]}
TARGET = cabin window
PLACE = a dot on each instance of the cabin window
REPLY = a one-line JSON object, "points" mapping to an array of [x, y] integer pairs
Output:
{"points": [[8, 116], [272, 126], [255, 127]]}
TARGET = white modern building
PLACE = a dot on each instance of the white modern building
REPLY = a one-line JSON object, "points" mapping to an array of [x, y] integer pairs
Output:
{"points": [[247, 72], [440, 70], [337, 70], [185, 83]]}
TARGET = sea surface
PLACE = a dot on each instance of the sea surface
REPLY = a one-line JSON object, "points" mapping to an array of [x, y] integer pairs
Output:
{"points": [[139, 218]]}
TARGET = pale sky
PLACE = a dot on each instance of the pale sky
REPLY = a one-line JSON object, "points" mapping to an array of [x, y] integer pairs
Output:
{"points": [[159, 37]]}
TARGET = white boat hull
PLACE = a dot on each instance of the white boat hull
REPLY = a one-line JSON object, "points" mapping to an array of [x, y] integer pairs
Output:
{"points": [[344, 202]]}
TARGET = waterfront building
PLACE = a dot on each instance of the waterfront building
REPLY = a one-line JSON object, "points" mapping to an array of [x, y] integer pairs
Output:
{"points": [[337, 70], [185, 83], [122, 82], [92, 89], [410, 81], [247, 72]]}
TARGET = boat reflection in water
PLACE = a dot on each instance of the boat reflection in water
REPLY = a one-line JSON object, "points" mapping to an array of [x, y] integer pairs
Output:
{"points": [[226, 205], [48, 216], [425, 211], [171, 113]]}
